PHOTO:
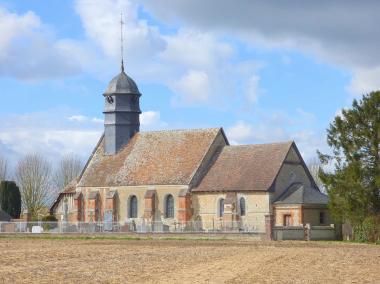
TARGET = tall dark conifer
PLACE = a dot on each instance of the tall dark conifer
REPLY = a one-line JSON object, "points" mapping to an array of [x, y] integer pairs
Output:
{"points": [[10, 198], [354, 137]]}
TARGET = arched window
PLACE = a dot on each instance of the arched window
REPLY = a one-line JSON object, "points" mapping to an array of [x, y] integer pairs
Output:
{"points": [[242, 206], [169, 206], [132, 207], [221, 207]]}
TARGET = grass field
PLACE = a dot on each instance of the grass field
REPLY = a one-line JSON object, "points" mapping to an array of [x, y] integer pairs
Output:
{"points": [[180, 260]]}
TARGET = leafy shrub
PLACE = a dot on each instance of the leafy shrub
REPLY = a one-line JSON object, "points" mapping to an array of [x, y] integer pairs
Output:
{"points": [[49, 218], [51, 222], [369, 230]]}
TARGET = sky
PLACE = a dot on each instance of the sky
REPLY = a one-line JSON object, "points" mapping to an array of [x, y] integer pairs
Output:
{"points": [[265, 71]]}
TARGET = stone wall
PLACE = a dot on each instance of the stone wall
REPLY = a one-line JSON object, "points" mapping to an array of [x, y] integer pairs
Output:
{"points": [[311, 233], [288, 233], [322, 233], [257, 206], [125, 193], [59, 213], [311, 215], [302, 214], [294, 211]]}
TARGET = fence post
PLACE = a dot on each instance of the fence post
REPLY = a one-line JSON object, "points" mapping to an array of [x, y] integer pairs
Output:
{"points": [[307, 230], [269, 222]]}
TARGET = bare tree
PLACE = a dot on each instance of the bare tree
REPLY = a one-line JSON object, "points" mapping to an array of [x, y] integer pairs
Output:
{"points": [[68, 169], [3, 168], [314, 166], [33, 175]]}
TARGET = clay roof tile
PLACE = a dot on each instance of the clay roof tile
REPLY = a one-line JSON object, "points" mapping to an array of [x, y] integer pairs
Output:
{"points": [[245, 168], [150, 158]]}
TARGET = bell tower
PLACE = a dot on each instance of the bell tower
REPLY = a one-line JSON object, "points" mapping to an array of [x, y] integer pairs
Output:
{"points": [[121, 109]]}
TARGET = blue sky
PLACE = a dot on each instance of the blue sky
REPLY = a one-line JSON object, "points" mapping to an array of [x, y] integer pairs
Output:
{"points": [[262, 71]]}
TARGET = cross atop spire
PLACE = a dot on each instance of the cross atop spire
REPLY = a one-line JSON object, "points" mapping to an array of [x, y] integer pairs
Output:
{"points": [[121, 42]]}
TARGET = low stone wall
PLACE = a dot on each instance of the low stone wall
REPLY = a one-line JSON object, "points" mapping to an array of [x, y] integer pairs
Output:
{"points": [[288, 233], [322, 233], [311, 233]]}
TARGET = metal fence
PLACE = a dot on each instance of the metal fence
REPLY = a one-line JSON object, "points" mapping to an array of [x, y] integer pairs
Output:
{"points": [[136, 226]]}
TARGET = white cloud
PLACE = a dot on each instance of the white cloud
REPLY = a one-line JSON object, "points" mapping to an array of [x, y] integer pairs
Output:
{"points": [[151, 120], [343, 33], [97, 120], [195, 49], [29, 51], [56, 132], [50, 142], [278, 127], [82, 118], [365, 80], [142, 42], [193, 87], [12, 26], [239, 132], [197, 65], [265, 132], [150, 117], [78, 118], [252, 89], [52, 133]]}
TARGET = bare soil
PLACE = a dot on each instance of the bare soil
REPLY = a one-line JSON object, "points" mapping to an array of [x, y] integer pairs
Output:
{"points": [[45, 260]]}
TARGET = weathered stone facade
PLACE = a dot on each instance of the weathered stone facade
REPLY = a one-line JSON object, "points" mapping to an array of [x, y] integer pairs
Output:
{"points": [[179, 177]]}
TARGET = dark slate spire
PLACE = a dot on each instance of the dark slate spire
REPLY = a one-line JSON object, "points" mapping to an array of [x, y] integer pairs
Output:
{"points": [[121, 110], [121, 42]]}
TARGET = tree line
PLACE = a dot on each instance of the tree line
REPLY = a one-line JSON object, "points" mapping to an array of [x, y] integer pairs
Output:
{"points": [[38, 181], [352, 180]]}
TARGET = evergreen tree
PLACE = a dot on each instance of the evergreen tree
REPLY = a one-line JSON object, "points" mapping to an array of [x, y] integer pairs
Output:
{"points": [[353, 185], [10, 198]]}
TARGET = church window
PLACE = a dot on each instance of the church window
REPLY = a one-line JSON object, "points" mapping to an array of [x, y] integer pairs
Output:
{"points": [[221, 207], [169, 206], [242, 206], [133, 207]]}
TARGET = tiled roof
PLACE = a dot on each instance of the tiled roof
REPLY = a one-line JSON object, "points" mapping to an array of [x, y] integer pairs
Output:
{"points": [[300, 194], [70, 188], [150, 158], [248, 167]]}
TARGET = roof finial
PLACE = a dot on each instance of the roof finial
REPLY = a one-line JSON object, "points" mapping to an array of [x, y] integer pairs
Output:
{"points": [[121, 42]]}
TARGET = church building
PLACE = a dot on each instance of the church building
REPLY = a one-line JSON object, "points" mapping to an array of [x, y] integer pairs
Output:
{"points": [[192, 178]]}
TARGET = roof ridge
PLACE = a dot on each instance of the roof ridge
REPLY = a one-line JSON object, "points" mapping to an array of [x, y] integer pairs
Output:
{"points": [[181, 130], [263, 144]]}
